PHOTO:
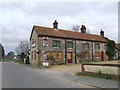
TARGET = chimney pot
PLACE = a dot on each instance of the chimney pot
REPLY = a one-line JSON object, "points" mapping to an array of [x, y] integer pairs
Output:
{"points": [[55, 24], [102, 33], [83, 29]]}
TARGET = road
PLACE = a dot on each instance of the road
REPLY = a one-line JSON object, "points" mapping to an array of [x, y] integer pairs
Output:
{"points": [[23, 76]]}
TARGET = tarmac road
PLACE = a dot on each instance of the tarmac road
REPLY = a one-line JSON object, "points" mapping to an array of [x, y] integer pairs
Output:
{"points": [[21, 76]]}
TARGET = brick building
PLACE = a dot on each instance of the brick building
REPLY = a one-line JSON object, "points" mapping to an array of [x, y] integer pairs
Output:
{"points": [[65, 46]]}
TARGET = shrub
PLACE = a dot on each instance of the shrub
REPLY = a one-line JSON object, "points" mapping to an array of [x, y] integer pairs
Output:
{"points": [[50, 58], [101, 75], [27, 60], [98, 74], [110, 49], [60, 64]]}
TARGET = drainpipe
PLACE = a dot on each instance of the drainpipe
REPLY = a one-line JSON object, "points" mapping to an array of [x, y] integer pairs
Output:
{"points": [[75, 52], [92, 51], [65, 52]]}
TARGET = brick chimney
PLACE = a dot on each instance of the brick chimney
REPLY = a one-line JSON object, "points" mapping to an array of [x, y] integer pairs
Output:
{"points": [[55, 24], [102, 33], [83, 29]]}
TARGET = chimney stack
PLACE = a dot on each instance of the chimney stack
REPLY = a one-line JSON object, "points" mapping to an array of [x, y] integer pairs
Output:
{"points": [[83, 29], [55, 24], [102, 33]]}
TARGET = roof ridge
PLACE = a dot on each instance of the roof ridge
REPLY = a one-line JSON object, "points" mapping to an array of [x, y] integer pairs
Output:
{"points": [[41, 26], [67, 33], [67, 30]]}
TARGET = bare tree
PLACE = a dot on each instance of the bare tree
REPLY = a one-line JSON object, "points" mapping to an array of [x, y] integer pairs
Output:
{"points": [[76, 28], [22, 47]]}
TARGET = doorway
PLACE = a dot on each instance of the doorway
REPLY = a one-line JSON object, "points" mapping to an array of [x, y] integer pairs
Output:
{"points": [[69, 57], [102, 56]]}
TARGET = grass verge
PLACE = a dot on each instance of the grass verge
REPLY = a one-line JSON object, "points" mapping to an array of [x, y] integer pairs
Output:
{"points": [[20, 62], [99, 75], [60, 64], [6, 60], [44, 67]]}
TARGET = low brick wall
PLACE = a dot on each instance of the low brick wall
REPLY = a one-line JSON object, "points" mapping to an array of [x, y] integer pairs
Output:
{"points": [[113, 69]]}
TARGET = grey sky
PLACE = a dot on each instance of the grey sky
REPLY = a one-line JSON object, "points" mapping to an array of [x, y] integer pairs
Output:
{"points": [[17, 18]]}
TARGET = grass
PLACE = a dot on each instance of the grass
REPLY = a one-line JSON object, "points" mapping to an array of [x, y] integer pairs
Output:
{"points": [[98, 75], [93, 61], [20, 62], [59, 64], [44, 67], [6, 60], [114, 60], [88, 61]]}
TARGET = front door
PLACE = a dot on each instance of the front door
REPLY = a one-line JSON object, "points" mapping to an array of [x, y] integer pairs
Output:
{"points": [[102, 56], [69, 57]]}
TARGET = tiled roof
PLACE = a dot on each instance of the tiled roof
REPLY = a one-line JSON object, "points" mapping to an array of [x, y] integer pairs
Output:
{"points": [[68, 34], [117, 45]]}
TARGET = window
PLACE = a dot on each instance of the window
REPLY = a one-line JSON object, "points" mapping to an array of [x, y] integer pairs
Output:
{"points": [[97, 54], [69, 45], [33, 42], [86, 55], [54, 55], [45, 42], [48, 54], [56, 44], [60, 55], [106, 47], [97, 46], [86, 46]]}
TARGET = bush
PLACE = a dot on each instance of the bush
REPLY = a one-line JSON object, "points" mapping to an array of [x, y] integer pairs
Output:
{"points": [[27, 60], [18, 61], [101, 75], [51, 59], [88, 61], [110, 49], [60, 64]]}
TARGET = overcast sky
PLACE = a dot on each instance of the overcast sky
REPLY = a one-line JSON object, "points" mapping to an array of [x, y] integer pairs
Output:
{"points": [[18, 18]]}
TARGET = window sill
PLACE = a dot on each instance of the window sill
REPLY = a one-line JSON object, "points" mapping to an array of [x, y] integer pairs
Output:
{"points": [[97, 49], [56, 47], [69, 48], [97, 57], [45, 46]]}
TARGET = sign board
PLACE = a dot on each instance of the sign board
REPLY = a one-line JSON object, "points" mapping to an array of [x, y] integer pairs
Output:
{"points": [[44, 56], [45, 63]]}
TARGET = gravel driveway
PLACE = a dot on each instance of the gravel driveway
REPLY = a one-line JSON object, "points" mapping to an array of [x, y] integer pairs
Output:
{"points": [[69, 68]]}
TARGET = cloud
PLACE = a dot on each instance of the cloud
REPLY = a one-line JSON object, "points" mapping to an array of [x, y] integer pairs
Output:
{"points": [[17, 18]]}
